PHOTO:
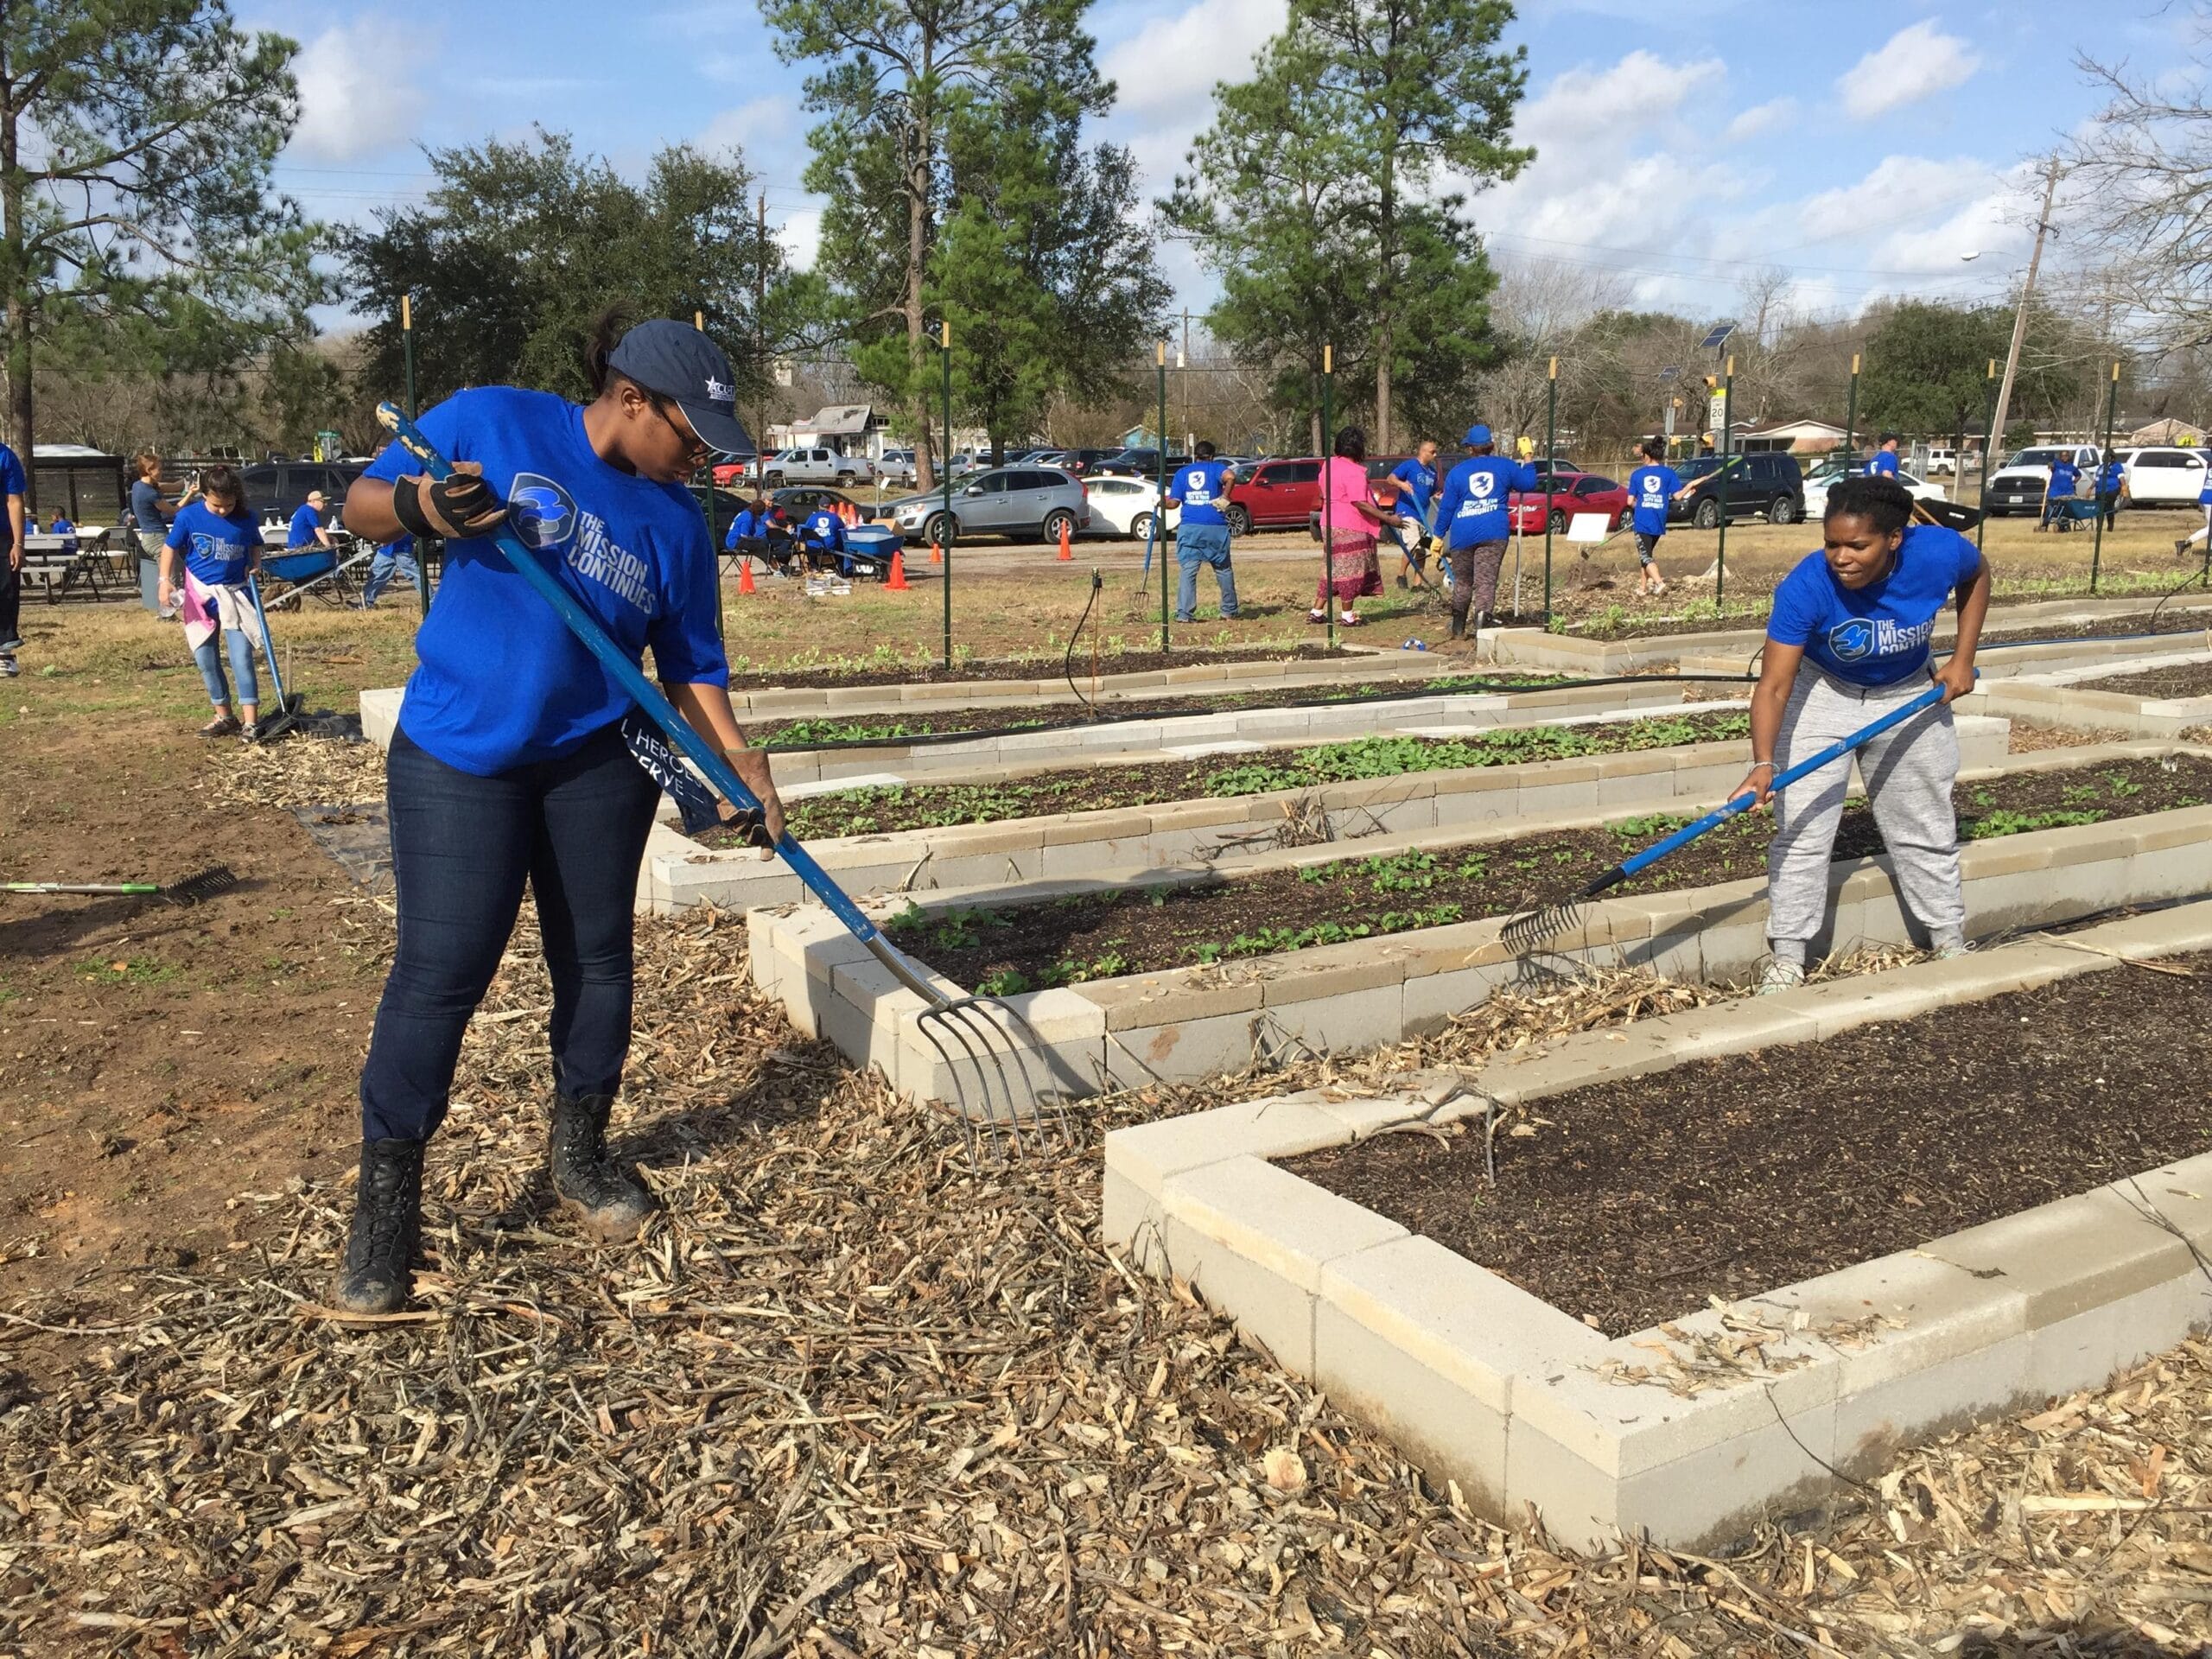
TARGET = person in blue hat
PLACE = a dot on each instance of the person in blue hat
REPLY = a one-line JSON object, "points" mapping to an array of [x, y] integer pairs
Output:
{"points": [[1472, 519], [2111, 484], [510, 766]]}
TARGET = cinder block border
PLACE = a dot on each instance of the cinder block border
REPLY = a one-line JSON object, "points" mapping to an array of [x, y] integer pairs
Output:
{"points": [[2071, 698], [1186, 1025], [1523, 1405]]}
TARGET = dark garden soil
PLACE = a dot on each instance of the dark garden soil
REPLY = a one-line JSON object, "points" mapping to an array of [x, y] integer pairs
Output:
{"points": [[1017, 668], [882, 808], [819, 732], [1102, 936], [1634, 1202], [2111, 628], [2181, 680]]}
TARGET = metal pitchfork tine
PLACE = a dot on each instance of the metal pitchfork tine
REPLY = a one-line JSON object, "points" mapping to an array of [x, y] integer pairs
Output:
{"points": [[957, 1016]]}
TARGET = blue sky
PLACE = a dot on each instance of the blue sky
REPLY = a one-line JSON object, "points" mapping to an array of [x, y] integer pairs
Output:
{"points": [[1863, 149]]}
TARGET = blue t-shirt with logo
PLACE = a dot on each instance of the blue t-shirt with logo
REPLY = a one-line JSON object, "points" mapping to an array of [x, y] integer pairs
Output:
{"points": [[12, 482], [748, 526], [1650, 488], [823, 528], [1419, 489], [1474, 497], [1202, 486], [2064, 475], [1883, 465], [305, 523], [215, 546], [500, 682], [1875, 635], [2109, 477]]}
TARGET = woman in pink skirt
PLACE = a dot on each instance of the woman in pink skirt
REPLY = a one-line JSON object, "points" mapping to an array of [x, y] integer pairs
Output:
{"points": [[1349, 522]]}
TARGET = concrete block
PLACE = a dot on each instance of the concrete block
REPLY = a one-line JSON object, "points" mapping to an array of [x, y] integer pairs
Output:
{"points": [[380, 714], [1273, 1218], [1331, 971], [1145, 1155], [1145, 999], [1433, 1001], [2070, 1256], [1367, 1116], [1181, 1051], [1435, 1421], [1340, 1024], [2083, 1349]]}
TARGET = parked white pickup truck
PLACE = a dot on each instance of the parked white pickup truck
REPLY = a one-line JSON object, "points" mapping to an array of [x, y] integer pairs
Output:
{"points": [[816, 466]]}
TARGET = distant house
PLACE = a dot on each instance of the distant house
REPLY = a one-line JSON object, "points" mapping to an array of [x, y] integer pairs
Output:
{"points": [[2169, 430], [1795, 437], [849, 428]]}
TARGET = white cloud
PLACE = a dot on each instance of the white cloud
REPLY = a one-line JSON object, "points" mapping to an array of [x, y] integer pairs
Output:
{"points": [[1918, 62], [1760, 118], [801, 236], [764, 124], [361, 91], [1642, 91], [1172, 62]]}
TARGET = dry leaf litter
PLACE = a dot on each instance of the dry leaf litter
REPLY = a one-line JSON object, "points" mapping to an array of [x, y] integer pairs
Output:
{"points": [[846, 1399]]}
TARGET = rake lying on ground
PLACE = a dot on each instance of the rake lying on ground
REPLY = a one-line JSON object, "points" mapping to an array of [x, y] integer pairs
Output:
{"points": [[201, 884], [963, 1021], [1533, 929]]}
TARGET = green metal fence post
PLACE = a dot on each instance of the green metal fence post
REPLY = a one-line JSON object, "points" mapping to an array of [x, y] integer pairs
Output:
{"points": [[2097, 553], [1720, 481], [1158, 501], [1328, 516], [945, 350], [1551, 442]]}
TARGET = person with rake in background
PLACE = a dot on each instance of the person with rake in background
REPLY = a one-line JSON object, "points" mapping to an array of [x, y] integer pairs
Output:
{"points": [[510, 763], [212, 550], [1848, 641], [1473, 517]]}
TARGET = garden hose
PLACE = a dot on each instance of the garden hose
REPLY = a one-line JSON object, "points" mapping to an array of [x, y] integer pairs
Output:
{"points": [[1067, 661]]}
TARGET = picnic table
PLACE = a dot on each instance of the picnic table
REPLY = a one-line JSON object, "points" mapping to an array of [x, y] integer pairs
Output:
{"points": [[76, 558]]}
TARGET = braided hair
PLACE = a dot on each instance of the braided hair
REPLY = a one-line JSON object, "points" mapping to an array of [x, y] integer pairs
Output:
{"points": [[1880, 500]]}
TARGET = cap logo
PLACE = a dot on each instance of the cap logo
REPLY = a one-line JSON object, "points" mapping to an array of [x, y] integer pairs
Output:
{"points": [[718, 393]]}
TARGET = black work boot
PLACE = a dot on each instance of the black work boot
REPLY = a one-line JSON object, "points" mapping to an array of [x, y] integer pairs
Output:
{"points": [[387, 1219], [1458, 628], [607, 1196]]}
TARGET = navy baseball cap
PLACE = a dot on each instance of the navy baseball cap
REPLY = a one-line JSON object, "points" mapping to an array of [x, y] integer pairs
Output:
{"points": [[685, 367], [1476, 435]]}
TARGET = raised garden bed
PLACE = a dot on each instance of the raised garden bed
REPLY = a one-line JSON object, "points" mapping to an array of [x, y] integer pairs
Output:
{"points": [[1621, 625], [1007, 948], [875, 810], [1633, 1202], [814, 732], [1002, 668], [2177, 680]]}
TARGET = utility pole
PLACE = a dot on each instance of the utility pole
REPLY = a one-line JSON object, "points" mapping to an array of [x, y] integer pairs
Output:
{"points": [[1183, 363], [761, 335], [2020, 317]]}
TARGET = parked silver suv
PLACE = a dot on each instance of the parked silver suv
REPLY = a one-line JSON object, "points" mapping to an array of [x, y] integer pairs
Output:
{"points": [[1028, 503]]}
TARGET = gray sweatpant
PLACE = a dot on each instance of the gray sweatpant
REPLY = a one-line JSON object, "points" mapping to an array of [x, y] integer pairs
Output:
{"points": [[1909, 771]]}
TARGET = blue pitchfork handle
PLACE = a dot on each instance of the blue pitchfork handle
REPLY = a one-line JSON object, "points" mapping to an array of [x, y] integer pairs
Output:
{"points": [[1689, 832], [702, 753]]}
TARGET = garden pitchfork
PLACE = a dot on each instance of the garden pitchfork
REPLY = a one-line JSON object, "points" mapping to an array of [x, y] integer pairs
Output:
{"points": [[962, 1022]]}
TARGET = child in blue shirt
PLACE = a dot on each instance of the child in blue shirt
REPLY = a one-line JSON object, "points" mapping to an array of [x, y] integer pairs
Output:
{"points": [[213, 547], [1416, 480], [1650, 487], [1848, 641], [510, 766]]}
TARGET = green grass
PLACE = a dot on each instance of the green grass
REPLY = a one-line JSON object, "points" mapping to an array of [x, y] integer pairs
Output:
{"points": [[137, 972]]}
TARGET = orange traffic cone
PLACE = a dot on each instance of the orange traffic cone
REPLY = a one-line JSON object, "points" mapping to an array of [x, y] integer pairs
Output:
{"points": [[896, 581], [744, 576], [937, 554], [1066, 552]]}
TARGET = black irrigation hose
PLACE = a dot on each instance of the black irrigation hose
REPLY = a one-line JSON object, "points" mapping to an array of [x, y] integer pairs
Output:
{"points": [[1067, 661]]}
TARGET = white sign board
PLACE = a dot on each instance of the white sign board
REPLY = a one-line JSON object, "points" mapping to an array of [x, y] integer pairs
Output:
{"points": [[1587, 527], [1716, 414]]}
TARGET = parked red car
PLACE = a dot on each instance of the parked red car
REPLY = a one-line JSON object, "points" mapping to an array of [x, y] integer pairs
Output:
{"points": [[1274, 495], [1564, 494]]}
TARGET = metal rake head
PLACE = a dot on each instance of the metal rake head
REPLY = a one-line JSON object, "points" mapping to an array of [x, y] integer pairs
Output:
{"points": [[976, 1036], [1532, 929], [201, 884]]}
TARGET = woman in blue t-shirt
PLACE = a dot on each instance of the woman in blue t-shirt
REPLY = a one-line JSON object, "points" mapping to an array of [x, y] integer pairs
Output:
{"points": [[213, 545], [510, 764], [1847, 642]]}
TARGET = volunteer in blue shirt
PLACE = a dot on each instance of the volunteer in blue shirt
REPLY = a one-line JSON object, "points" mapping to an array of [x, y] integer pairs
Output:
{"points": [[1884, 461], [2065, 477], [306, 529], [65, 528], [822, 535], [213, 546], [1416, 481], [508, 765], [1197, 492], [1472, 518], [13, 488], [2203, 533], [1847, 642], [2111, 484], [1650, 487], [394, 557]]}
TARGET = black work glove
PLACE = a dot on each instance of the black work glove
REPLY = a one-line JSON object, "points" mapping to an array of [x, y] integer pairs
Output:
{"points": [[459, 506]]}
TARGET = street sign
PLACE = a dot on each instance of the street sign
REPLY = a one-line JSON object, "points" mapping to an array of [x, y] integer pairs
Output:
{"points": [[1671, 404], [1716, 412]]}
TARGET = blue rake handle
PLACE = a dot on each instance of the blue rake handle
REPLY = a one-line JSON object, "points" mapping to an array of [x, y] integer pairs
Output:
{"points": [[725, 781], [268, 644], [1638, 862]]}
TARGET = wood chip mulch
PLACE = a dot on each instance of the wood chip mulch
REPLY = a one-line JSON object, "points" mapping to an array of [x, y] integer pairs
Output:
{"points": [[845, 1399]]}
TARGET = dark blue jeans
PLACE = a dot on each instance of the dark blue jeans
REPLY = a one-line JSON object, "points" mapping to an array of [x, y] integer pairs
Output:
{"points": [[461, 847]]}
